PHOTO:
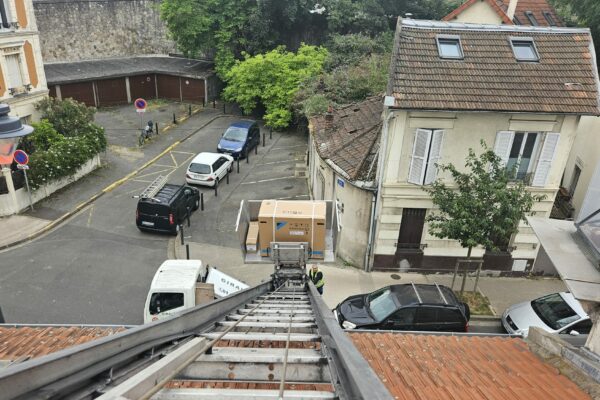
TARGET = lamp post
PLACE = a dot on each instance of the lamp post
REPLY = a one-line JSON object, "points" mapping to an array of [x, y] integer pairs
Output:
{"points": [[11, 131]]}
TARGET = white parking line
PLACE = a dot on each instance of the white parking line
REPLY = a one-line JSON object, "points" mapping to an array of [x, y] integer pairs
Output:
{"points": [[268, 180]]}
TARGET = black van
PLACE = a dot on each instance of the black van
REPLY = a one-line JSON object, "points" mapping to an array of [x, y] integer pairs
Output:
{"points": [[408, 307], [167, 209]]}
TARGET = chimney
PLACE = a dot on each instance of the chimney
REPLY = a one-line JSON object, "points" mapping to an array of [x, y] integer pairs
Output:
{"points": [[329, 117], [512, 7]]}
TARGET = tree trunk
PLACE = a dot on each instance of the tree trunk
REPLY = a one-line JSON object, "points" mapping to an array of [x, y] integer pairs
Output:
{"points": [[462, 287]]}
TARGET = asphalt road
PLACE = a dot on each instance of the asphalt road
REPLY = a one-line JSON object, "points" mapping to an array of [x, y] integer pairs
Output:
{"points": [[97, 267]]}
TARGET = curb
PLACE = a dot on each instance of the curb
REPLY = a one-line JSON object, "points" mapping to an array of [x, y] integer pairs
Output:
{"points": [[107, 189]]}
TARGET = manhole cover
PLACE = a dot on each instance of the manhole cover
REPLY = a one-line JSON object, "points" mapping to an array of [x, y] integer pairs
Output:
{"points": [[395, 276], [288, 187]]}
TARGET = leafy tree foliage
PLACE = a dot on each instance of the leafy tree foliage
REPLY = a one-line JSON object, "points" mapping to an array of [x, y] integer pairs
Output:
{"points": [[69, 117], [584, 13], [483, 204], [272, 79]]}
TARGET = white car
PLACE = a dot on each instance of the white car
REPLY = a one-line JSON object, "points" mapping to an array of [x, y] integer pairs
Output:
{"points": [[556, 313], [208, 169]]}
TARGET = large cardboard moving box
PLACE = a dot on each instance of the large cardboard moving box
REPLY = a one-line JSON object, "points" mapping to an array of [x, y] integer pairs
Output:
{"points": [[205, 293], [292, 221], [252, 238]]}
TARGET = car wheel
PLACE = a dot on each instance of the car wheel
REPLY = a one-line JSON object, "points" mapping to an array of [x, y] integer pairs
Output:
{"points": [[196, 205]]}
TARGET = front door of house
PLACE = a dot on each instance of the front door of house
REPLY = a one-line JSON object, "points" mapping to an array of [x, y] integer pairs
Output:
{"points": [[411, 228]]}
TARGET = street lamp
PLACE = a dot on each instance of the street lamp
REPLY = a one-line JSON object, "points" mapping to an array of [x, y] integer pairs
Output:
{"points": [[11, 131]]}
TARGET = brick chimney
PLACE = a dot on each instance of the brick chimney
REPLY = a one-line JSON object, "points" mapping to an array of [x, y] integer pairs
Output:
{"points": [[329, 117], [512, 6]]}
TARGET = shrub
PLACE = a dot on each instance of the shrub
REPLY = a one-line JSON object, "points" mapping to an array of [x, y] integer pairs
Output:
{"points": [[69, 117]]}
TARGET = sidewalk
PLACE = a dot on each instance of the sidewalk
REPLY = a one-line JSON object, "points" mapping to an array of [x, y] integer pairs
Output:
{"points": [[341, 282], [122, 158]]}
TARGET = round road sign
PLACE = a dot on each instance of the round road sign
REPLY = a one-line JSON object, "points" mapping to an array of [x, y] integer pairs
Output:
{"points": [[21, 157], [140, 104]]}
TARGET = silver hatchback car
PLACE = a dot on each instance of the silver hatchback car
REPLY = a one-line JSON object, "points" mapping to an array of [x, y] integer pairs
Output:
{"points": [[556, 313]]}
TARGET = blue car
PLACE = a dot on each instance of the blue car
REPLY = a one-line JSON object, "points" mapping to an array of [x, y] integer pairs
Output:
{"points": [[239, 139]]}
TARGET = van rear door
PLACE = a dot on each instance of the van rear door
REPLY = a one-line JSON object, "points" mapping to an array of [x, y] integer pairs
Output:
{"points": [[154, 216]]}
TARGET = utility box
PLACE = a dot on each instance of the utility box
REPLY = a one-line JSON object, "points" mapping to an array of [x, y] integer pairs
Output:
{"points": [[205, 293], [292, 221], [252, 238]]}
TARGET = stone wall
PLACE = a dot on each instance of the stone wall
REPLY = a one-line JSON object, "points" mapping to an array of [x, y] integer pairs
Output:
{"points": [[73, 30]]}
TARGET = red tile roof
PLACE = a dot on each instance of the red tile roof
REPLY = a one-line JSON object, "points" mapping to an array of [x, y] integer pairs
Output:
{"points": [[489, 78], [537, 7], [350, 140], [462, 367], [23, 342]]}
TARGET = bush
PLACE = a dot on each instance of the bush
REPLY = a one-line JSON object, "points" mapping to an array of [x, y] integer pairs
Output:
{"points": [[57, 153]]}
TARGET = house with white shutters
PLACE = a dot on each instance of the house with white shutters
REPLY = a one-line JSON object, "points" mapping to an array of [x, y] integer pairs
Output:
{"points": [[520, 89]]}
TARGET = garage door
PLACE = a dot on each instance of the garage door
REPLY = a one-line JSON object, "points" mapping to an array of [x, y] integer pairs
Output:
{"points": [[111, 92], [142, 86], [192, 90], [82, 91], [168, 87]]}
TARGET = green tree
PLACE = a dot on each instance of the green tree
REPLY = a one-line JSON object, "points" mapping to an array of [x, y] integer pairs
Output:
{"points": [[272, 79], [482, 207]]}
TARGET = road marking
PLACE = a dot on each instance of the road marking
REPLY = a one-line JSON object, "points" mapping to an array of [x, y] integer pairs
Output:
{"points": [[174, 160], [168, 170], [183, 152], [276, 162], [268, 180], [162, 165], [89, 221]]}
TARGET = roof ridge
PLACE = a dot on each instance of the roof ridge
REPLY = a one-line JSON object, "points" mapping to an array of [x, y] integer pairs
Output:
{"points": [[430, 24]]}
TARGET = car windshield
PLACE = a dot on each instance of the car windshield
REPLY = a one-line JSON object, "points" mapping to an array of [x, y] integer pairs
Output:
{"points": [[199, 168], [235, 134], [554, 311], [381, 303]]}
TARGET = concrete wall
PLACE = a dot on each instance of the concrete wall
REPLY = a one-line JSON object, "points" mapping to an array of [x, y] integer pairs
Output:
{"points": [[7, 207], [586, 155], [73, 30], [354, 204], [480, 12], [462, 131]]}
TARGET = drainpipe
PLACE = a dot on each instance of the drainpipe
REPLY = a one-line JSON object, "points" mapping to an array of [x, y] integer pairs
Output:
{"points": [[376, 202]]}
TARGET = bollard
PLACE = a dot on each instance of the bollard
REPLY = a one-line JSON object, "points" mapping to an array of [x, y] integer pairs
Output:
{"points": [[263, 139], [201, 201], [190, 109], [214, 103], [188, 216], [238, 165], [187, 251], [270, 133], [223, 107], [216, 185], [203, 102], [256, 149], [247, 157], [181, 232], [228, 178], [174, 119], [156, 125]]}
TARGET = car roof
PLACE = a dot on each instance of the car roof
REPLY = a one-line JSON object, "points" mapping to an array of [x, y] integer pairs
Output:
{"points": [[176, 274], [206, 158], [245, 123], [574, 303], [165, 195], [423, 294]]}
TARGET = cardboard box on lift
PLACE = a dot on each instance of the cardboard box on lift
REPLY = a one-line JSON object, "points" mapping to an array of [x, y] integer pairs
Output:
{"points": [[252, 238], [292, 221]]}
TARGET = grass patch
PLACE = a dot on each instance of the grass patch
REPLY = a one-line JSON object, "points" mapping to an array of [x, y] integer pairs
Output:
{"points": [[478, 303]]}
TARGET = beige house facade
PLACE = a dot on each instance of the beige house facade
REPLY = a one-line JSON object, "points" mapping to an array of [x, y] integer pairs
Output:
{"points": [[453, 85], [22, 78], [510, 12]]}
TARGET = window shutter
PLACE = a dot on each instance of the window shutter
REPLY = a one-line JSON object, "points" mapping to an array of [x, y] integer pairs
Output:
{"points": [[21, 13], [419, 156], [30, 60], [434, 155], [545, 160], [504, 141]]}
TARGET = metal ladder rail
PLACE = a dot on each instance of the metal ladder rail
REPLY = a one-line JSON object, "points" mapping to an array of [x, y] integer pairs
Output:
{"points": [[154, 187]]}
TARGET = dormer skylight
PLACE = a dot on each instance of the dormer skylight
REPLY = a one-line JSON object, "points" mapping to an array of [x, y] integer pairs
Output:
{"points": [[531, 18], [449, 46], [524, 49], [549, 18]]}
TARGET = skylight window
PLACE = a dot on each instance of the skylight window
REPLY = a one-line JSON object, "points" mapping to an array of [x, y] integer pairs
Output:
{"points": [[516, 20], [524, 49], [549, 18], [449, 46], [531, 18]]}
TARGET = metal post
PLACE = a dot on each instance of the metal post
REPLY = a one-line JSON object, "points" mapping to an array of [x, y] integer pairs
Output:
{"points": [[202, 201], [190, 109], [462, 286], [216, 193], [174, 120], [228, 178], [247, 157], [28, 190], [263, 139], [238, 165], [214, 103], [203, 102], [270, 133], [187, 251], [188, 216], [255, 149], [477, 276], [455, 273], [156, 125], [181, 232], [223, 107]]}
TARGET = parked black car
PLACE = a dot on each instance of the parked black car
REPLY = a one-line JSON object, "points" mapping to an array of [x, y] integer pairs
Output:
{"points": [[407, 307], [165, 210]]}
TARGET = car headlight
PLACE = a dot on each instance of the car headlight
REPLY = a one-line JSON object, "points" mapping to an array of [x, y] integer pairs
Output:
{"points": [[348, 325], [219, 146]]}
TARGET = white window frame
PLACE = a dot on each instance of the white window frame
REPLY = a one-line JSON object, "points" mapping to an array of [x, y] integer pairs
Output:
{"points": [[426, 153]]}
